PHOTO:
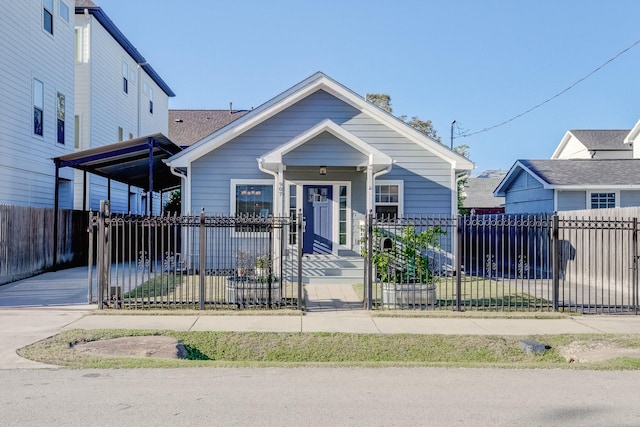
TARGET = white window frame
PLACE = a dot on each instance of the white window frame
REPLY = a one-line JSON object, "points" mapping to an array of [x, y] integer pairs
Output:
{"points": [[125, 77], [616, 195], [39, 105], [61, 8], [400, 203], [232, 200], [60, 115], [51, 11]]}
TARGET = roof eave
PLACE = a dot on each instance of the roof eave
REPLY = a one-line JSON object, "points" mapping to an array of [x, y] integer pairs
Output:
{"points": [[115, 32]]}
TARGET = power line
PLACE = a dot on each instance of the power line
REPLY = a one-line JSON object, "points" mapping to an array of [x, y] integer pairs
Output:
{"points": [[556, 95]]}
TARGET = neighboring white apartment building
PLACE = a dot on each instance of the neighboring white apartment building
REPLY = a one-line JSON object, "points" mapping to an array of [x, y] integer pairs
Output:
{"points": [[118, 96], [70, 80], [37, 109]]}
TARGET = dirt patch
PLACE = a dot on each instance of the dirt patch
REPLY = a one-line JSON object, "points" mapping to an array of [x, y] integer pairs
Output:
{"points": [[146, 346], [595, 351]]}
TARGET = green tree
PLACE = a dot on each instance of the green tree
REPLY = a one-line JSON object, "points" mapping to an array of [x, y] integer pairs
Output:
{"points": [[382, 100], [174, 204]]}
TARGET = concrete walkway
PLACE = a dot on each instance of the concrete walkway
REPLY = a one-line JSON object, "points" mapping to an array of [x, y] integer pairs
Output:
{"points": [[34, 309]]}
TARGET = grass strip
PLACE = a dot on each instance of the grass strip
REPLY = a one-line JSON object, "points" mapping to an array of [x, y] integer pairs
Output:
{"points": [[331, 349]]}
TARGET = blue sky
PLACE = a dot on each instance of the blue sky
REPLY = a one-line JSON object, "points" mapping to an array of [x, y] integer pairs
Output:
{"points": [[477, 62]]}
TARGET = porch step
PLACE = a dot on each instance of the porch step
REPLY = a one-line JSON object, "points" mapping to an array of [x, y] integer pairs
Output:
{"points": [[332, 270]]}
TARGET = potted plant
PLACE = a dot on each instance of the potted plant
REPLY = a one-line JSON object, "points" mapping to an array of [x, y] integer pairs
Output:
{"points": [[402, 266], [253, 283]]}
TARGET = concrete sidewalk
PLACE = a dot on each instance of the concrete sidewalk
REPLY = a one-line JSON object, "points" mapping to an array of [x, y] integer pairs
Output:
{"points": [[20, 327], [33, 309]]}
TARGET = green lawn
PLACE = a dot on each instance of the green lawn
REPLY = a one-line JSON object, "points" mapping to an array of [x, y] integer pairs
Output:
{"points": [[332, 349]]}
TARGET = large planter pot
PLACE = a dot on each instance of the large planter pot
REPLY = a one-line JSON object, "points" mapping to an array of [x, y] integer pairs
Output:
{"points": [[245, 290], [408, 295]]}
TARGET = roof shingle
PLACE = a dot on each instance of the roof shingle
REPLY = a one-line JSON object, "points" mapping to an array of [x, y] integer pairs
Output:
{"points": [[187, 127]]}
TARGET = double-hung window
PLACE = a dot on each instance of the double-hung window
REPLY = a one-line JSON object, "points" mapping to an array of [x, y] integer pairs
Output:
{"points": [[38, 106], [151, 100], [60, 115], [125, 77], [251, 199], [64, 11], [388, 199], [47, 16]]}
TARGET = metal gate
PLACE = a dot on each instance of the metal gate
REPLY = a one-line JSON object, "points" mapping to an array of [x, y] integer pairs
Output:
{"points": [[197, 262], [502, 263]]}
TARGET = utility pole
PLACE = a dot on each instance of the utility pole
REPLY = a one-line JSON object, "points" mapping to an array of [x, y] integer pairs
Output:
{"points": [[452, 123]]}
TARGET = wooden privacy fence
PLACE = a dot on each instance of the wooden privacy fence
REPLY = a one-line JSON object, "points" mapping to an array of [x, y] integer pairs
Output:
{"points": [[26, 240]]}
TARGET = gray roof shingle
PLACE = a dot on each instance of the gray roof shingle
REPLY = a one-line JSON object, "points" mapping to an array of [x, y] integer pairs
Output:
{"points": [[603, 139], [479, 193], [586, 172], [187, 127]]}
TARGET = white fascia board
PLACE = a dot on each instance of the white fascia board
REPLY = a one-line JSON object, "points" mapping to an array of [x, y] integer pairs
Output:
{"points": [[515, 169], [376, 157], [249, 120], [587, 187], [633, 134], [563, 143]]}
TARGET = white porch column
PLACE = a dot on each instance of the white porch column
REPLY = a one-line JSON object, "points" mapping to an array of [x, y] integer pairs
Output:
{"points": [[370, 189], [280, 199]]}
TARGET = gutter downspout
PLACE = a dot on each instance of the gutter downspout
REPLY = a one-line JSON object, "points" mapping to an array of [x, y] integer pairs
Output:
{"points": [[183, 176], [280, 185], [372, 187]]}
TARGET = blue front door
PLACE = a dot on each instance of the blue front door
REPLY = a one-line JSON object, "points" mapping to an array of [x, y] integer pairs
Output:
{"points": [[317, 214]]}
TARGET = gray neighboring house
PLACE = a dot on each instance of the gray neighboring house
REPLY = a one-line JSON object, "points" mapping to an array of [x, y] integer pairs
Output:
{"points": [[594, 144], [321, 148], [536, 186], [590, 169], [479, 198]]}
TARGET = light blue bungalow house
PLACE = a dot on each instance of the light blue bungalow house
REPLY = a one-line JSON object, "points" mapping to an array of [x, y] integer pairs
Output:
{"points": [[321, 148]]}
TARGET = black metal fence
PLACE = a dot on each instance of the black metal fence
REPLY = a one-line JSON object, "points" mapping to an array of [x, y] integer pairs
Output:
{"points": [[197, 262], [491, 262], [503, 263]]}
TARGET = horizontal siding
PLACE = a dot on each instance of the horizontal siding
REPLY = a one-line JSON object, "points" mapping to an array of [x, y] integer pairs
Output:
{"points": [[526, 195], [629, 198], [427, 177], [571, 200], [27, 173], [326, 150]]}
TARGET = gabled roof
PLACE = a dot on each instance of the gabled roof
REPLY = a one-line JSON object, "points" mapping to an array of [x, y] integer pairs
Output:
{"points": [[596, 140], [187, 127], [602, 139], [479, 193], [576, 174], [314, 83], [375, 157], [103, 19], [633, 134]]}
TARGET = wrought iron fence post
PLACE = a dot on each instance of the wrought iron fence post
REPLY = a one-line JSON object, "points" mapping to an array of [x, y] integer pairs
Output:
{"points": [[635, 264], [90, 256], [459, 223], [104, 251], [201, 259], [299, 227], [555, 236], [368, 289]]}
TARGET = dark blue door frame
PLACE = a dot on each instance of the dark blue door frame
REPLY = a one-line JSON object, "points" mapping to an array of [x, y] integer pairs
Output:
{"points": [[317, 211]]}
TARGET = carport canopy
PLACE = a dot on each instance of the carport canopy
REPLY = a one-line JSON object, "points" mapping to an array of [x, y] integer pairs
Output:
{"points": [[137, 162]]}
